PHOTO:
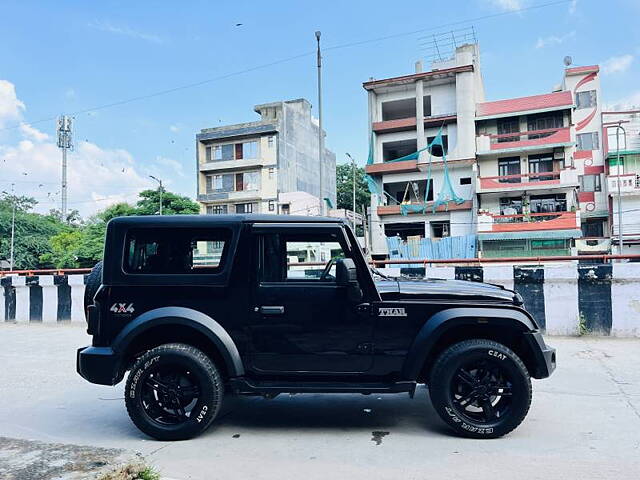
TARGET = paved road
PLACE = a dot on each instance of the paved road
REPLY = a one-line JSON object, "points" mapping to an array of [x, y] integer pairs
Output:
{"points": [[584, 422]]}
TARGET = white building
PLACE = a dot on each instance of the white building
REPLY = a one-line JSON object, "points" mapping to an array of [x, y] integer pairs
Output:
{"points": [[266, 166], [405, 114]]}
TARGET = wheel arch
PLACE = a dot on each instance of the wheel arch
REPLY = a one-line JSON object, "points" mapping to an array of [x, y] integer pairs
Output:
{"points": [[451, 326], [178, 325]]}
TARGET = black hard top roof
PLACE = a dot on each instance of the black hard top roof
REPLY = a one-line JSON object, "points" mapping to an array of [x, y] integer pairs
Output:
{"points": [[212, 219]]}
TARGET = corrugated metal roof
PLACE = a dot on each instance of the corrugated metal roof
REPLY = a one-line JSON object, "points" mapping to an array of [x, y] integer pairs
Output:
{"points": [[540, 234]]}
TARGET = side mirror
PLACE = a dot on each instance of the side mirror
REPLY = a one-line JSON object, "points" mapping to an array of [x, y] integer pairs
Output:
{"points": [[347, 276]]}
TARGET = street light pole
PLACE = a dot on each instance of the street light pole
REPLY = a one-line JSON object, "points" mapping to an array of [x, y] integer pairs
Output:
{"points": [[320, 136], [160, 190], [618, 128], [353, 180]]}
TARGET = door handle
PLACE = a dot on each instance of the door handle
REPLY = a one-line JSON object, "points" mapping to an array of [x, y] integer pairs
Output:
{"points": [[272, 310]]}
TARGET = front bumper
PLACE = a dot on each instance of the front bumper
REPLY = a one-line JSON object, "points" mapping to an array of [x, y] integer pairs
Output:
{"points": [[99, 365], [544, 356]]}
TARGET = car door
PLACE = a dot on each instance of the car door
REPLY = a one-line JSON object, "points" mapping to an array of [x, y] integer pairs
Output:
{"points": [[301, 320]]}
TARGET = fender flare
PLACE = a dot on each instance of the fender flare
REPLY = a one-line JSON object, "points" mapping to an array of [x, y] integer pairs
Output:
{"points": [[441, 322], [186, 317]]}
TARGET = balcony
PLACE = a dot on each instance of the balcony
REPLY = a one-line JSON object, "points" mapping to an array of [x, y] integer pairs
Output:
{"points": [[222, 165], [566, 178], [392, 167], [384, 210], [629, 184], [409, 123], [490, 223], [518, 141], [230, 196]]}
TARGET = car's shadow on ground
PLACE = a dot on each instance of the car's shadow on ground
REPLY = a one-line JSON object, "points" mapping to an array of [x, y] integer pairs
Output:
{"points": [[330, 412]]}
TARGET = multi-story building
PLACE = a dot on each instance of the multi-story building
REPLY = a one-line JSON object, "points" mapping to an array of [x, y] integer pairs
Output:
{"points": [[540, 171], [622, 152], [405, 114], [266, 166]]}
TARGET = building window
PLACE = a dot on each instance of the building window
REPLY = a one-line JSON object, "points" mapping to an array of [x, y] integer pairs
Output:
{"points": [[511, 206], [540, 164], [465, 181], [272, 206], [440, 229], [247, 181], [548, 203], [216, 209], [586, 99], [437, 150], [272, 172], [244, 207], [590, 183], [509, 166], [543, 121], [250, 150], [216, 183], [270, 141], [588, 141], [593, 228], [285, 209], [509, 125]]}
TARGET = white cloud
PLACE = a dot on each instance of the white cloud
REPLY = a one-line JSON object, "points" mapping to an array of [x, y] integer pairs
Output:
{"points": [[630, 102], [174, 128], [573, 6], [33, 133], [124, 30], [509, 5], [10, 107], [97, 177], [554, 39], [619, 64]]}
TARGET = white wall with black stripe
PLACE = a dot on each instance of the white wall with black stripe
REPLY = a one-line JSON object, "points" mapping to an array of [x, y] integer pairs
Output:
{"points": [[564, 299]]}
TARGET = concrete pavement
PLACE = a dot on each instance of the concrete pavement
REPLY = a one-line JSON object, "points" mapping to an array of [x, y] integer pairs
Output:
{"points": [[584, 421]]}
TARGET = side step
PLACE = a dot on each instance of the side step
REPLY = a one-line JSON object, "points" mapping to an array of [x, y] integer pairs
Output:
{"points": [[243, 385]]}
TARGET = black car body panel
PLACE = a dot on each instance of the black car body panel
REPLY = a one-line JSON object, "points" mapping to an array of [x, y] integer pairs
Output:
{"points": [[273, 334]]}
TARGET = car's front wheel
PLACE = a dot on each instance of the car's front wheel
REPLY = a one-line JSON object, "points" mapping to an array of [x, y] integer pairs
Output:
{"points": [[480, 388], [173, 392]]}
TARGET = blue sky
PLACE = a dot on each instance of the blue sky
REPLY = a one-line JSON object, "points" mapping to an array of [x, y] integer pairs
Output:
{"points": [[60, 57]]}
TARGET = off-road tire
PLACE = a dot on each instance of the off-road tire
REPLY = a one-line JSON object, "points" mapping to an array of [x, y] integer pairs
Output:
{"points": [[94, 280], [208, 403], [441, 387]]}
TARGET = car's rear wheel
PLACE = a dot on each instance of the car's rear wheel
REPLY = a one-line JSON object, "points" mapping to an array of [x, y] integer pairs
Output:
{"points": [[173, 392], [480, 388]]}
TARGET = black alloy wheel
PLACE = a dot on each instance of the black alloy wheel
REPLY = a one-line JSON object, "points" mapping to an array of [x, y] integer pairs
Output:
{"points": [[480, 388], [173, 392]]}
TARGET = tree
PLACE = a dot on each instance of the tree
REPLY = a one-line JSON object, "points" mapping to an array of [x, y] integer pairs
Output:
{"points": [[344, 187], [172, 204], [64, 250]]}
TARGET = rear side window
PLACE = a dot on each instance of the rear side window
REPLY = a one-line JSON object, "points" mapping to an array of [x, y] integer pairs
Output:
{"points": [[175, 250]]}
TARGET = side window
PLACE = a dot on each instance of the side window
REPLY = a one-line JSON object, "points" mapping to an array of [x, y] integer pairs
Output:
{"points": [[175, 250], [300, 257]]}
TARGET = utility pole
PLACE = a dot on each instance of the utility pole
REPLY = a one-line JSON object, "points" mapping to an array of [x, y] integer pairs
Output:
{"points": [[13, 226], [618, 128], [65, 142], [353, 171], [320, 136], [160, 189]]}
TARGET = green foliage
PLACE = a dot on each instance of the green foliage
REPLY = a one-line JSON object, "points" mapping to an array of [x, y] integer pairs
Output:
{"points": [[172, 204], [45, 241], [344, 187]]}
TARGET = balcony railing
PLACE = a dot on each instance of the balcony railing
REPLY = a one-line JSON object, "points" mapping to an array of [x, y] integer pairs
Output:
{"points": [[488, 222], [531, 138], [520, 180], [629, 184]]}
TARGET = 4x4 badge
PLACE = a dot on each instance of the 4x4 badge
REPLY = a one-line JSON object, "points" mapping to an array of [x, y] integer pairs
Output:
{"points": [[392, 312], [122, 308]]}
